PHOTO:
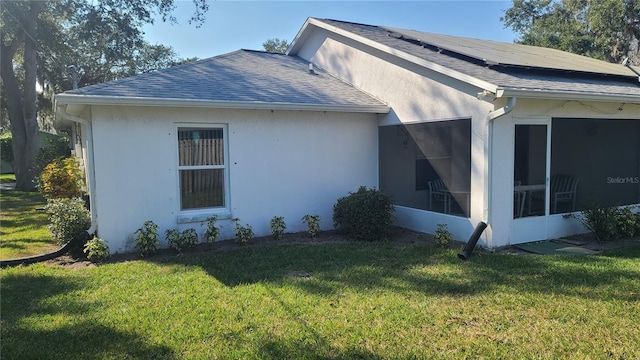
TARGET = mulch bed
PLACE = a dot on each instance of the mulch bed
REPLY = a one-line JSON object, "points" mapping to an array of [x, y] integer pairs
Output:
{"points": [[399, 237]]}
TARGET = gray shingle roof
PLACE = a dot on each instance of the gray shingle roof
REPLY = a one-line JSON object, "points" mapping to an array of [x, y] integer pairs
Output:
{"points": [[504, 77], [242, 76]]}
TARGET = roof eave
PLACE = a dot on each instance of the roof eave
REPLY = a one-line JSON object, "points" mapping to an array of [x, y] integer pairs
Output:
{"points": [[73, 99], [302, 34], [567, 95]]}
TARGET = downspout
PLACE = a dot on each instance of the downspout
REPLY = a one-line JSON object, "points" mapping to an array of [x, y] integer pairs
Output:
{"points": [[511, 103], [90, 164]]}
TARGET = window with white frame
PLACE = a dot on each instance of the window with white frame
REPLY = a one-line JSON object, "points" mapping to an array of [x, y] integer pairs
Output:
{"points": [[203, 167]]}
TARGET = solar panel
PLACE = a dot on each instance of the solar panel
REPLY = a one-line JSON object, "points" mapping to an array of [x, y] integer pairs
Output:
{"points": [[499, 53]]}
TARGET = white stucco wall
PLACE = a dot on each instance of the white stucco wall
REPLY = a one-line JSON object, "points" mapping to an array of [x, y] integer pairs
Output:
{"points": [[281, 163], [415, 95]]}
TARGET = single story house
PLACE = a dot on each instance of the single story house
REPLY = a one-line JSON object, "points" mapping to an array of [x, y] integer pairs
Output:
{"points": [[456, 130]]}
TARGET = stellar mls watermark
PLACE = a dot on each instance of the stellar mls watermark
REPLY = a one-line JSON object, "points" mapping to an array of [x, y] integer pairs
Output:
{"points": [[623, 180]]}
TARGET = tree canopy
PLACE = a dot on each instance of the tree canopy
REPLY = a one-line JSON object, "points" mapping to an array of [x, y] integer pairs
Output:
{"points": [[276, 45], [42, 39], [605, 29]]}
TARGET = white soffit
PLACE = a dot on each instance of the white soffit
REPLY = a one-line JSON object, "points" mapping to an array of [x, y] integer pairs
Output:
{"points": [[499, 53]]}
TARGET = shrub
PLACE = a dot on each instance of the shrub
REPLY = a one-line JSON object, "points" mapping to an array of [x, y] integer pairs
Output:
{"points": [[61, 179], [181, 241], [147, 240], [243, 233], [313, 224], [443, 237], [172, 236], [6, 148], [277, 226], [609, 223], [96, 250], [628, 225], [364, 215], [213, 232], [69, 220], [56, 147], [601, 221]]}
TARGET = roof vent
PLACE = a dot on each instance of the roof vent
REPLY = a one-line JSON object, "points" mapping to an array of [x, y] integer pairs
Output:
{"points": [[311, 71]]}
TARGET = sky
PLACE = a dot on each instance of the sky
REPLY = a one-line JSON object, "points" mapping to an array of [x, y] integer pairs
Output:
{"points": [[234, 25]]}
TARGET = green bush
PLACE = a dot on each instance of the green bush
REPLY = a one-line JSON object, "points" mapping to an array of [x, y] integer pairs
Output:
{"points": [[147, 240], [172, 236], [96, 250], [213, 232], [243, 233], [610, 223], [56, 147], [442, 236], [277, 226], [6, 148], [69, 219], [364, 215], [627, 222], [601, 221], [313, 224], [181, 241]]}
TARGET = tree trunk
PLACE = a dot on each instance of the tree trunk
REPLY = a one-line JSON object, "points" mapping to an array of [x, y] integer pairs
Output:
{"points": [[21, 105]]}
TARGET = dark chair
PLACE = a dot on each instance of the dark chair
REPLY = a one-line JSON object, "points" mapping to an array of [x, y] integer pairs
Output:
{"points": [[563, 190], [437, 192]]}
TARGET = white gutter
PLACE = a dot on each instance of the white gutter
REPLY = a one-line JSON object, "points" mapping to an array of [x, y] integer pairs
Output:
{"points": [[162, 102], [90, 164], [567, 95], [488, 174]]}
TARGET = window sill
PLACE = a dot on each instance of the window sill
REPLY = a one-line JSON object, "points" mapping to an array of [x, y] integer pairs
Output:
{"points": [[202, 216]]}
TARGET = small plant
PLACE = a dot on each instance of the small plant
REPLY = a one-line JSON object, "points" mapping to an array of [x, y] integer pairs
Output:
{"points": [[69, 220], [313, 224], [96, 250], [628, 222], [243, 233], [443, 237], [213, 232], [172, 236], [609, 223], [278, 227], [147, 240], [181, 241], [62, 178], [364, 215]]}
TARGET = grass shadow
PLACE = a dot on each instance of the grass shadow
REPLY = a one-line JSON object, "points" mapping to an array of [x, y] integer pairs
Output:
{"points": [[31, 308], [429, 270]]}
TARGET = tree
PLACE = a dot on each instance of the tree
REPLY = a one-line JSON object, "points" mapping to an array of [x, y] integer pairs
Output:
{"points": [[605, 29], [41, 39], [276, 45]]}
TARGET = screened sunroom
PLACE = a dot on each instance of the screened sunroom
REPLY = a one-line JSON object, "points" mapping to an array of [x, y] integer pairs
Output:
{"points": [[592, 163], [427, 165]]}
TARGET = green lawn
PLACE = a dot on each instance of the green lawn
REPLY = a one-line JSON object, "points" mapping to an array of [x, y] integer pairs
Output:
{"points": [[23, 228], [362, 301]]}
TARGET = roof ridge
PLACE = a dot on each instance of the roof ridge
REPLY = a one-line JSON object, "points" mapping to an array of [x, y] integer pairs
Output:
{"points": [[350, 22]]}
